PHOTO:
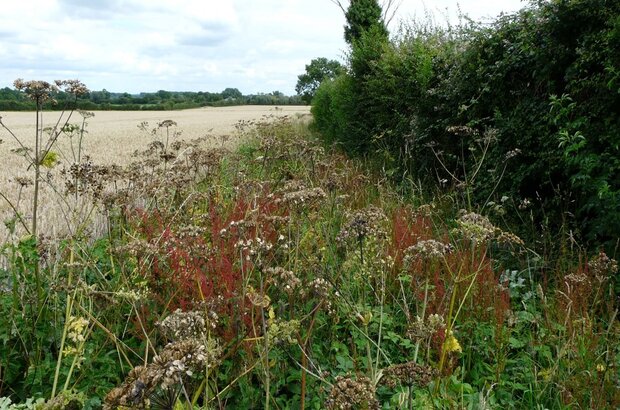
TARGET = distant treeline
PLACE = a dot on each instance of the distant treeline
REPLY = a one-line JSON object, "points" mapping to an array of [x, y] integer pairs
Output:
{"points": [[14, 100]]}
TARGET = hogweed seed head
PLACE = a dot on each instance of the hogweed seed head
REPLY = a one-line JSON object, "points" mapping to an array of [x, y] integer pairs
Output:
{"points": [[408, 374], [426, 250], [38, 91], [422, 329], [603, 267], [348, 394]]}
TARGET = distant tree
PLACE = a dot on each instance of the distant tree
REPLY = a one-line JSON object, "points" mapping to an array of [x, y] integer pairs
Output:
{"points": [[8, 94], [231, 93], [164, 95], [99, 97], [317, 71]]}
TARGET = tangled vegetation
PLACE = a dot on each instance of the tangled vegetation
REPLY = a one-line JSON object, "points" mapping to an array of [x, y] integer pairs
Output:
{"points": [[524, 108], [283, 275]]}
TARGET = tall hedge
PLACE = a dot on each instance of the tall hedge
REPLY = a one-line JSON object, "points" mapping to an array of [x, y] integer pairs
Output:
{"points": [[451, 104]]}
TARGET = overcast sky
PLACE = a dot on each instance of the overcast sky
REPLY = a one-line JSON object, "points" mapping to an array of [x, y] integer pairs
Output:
{"points": [[185, 45]]}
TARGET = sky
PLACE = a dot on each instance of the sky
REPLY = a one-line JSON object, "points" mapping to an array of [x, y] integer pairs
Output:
{"points": [[188, 45]]}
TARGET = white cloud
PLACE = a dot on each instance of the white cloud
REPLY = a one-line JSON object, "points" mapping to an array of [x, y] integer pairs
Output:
{"points": [[147, 45]]}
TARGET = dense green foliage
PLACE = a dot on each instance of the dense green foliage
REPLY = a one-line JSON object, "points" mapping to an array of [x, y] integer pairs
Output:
{"points": [[362, 16], [285, 276], [319, 70], [525, 108], [13, 100]]}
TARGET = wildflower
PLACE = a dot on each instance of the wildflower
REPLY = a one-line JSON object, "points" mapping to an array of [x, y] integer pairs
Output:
{"points": [[363, 223], [285, 279], [280, 331], [75, 329], [304, 197], [348, 393], [167, 124], [23, 181], [322, 290], [546, 374], [50, 159], [132, 295], [187, 325], [177, 362], [512, 153], [426, 250], [408, 374], [576, 278], [603, 267], [423, 329], [510, 239], [86, 114], [257, 299], [600, 368], [461, 130], [451, 344], [39, 91], [524, 204], [74, 87], [476, 227]]}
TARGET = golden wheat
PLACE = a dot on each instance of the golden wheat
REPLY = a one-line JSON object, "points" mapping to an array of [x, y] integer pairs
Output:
{"points": [[112, 137]]}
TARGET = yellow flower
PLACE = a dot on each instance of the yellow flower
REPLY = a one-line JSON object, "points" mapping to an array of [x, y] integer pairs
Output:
{"points": [[69, 351], [51, 158], [452, 344], [546, 374], [600, 367], [75, 329]]}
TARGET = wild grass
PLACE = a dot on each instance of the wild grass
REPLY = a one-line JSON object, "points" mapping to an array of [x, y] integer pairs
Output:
{"points": [[281, 274]]}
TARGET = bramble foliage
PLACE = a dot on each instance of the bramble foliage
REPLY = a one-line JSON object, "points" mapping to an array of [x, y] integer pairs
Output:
{"points": [[455, 106]]}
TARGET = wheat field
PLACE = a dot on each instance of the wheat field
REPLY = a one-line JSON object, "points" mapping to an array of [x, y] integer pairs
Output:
{"points": [[112, 137]]}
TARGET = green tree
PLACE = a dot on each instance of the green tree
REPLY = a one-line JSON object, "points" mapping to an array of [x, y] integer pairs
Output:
{"points": [[362, 16], [231, 93], [317, 71]]}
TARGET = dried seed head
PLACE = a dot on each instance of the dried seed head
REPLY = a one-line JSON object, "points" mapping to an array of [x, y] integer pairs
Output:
{"points": [[75, 87], [603, 267], [476, 227], [408, 374], [363, 223], [348, 393], [38, 91], [426, 250]]}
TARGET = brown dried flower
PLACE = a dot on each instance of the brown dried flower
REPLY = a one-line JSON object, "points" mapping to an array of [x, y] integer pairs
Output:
{"points": [[188, 325], [172, 366], [422, 329], [74, 87], [408, 374], [285, 279], [38, 91], [603, 267], [348, 393], [426, 250], [476, 227], [363, 223]]}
